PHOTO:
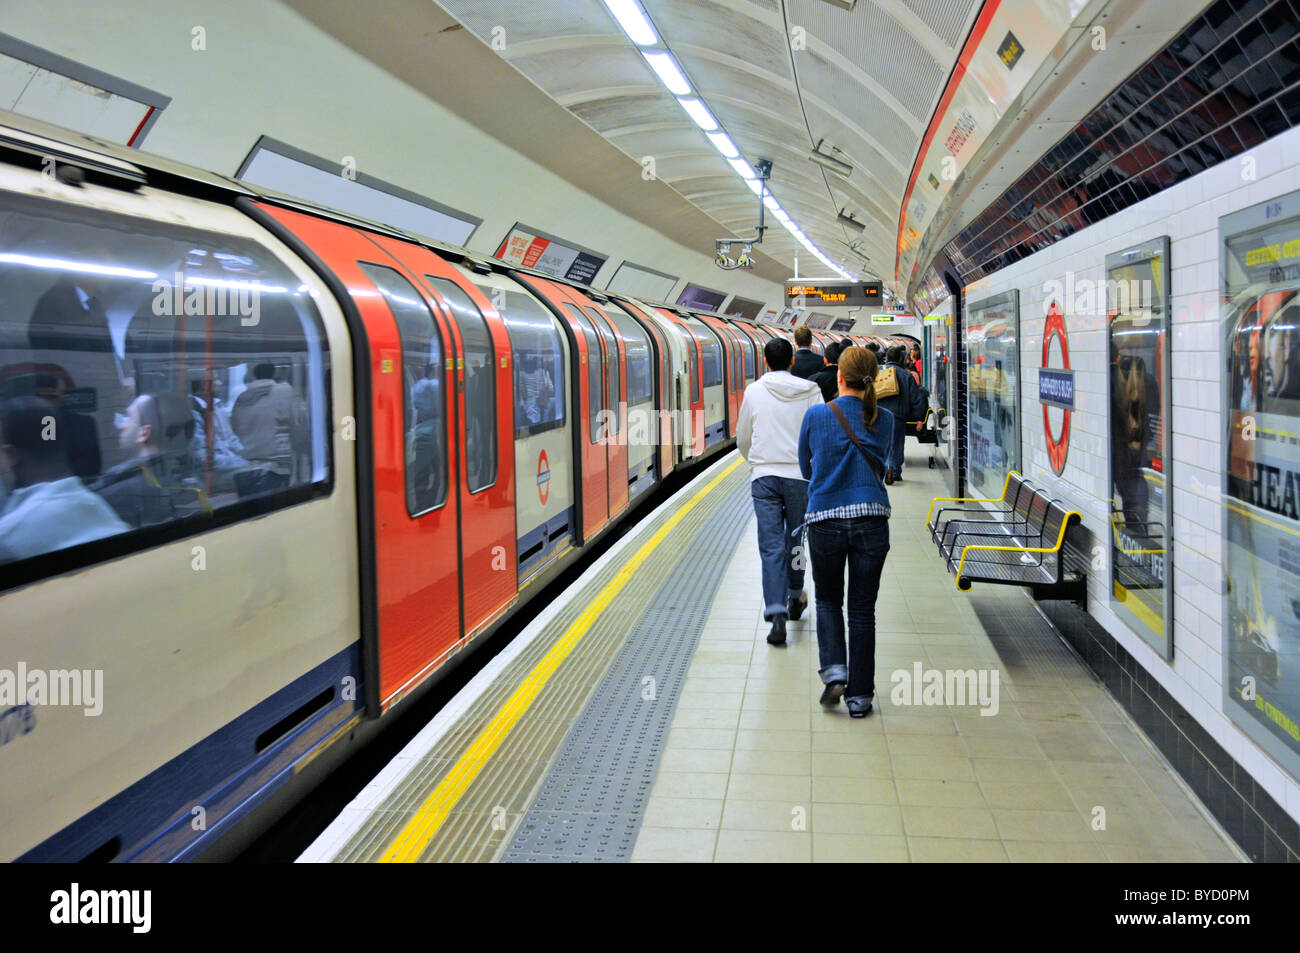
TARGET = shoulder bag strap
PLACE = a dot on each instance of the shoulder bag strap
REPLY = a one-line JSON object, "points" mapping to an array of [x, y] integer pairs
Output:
{"points": [[878, 470]]}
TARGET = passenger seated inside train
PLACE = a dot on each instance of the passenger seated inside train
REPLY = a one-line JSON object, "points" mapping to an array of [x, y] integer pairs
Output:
{"points": [[45, 506], [156, 484], [52, 383], [270, 421]]}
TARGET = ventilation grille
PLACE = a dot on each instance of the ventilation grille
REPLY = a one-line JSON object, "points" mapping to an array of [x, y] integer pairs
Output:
{"points": [[948, 19]]}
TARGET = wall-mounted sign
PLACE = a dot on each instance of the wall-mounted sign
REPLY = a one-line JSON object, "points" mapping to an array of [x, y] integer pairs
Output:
{"points": [[842, 324], [993, 391], [528, 248], [701, 298], [835, 294], [891, 318], [1058, 447], [1056, 388], [739, 307], [1259, 269], [1141, 506]]}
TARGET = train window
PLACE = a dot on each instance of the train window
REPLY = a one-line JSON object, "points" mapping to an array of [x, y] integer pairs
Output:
{"points": [[480, 384], [636, 346], [612, 365], [154, 379], [597, 400], [423, 394], [538, 360], [751, 358], [711, 353], [688, 341]]}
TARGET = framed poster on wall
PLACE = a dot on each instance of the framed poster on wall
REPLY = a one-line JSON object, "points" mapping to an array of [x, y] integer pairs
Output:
{"points": [[993, 391], [1141, 504], [1259, 261]]}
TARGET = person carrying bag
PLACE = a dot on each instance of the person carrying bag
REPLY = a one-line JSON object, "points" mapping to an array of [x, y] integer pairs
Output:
{"points": [[843, 450]]}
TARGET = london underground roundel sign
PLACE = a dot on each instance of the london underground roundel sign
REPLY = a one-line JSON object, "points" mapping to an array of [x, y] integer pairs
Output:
{"points": [[1057, 447], [543, 477]]}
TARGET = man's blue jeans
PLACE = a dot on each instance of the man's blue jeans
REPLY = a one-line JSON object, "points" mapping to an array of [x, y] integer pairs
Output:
{"points": [[864, 542], [779, 504]]}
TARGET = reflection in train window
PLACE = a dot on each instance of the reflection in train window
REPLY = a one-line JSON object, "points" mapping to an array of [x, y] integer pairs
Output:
{"points": [[636, 344], [480, 384], [538, 361], [597, 399], [613, 364], [423, 394], [150, 376]]}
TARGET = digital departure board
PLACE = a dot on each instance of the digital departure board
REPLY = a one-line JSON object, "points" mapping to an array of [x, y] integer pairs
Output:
{"points": [[833, 294]]}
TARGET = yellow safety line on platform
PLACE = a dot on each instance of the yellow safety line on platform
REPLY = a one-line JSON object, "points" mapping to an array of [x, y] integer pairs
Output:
{"points": [[432, 814]]}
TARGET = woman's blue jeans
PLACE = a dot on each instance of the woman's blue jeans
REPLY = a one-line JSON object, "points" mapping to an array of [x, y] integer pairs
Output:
{"points": [[863, 542]]}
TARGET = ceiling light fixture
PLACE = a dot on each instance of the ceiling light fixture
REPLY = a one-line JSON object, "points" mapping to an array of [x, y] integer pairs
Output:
{"points": [[722, 142], [669, 74], [633, 20], [744, 168], [836, 165], [700, 113]]}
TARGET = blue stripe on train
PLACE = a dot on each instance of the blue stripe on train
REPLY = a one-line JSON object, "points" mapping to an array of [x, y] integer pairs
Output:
{"points": [[224, 775]]}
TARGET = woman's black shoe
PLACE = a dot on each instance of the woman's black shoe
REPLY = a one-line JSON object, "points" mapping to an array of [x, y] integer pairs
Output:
{"points": [[832, 694], [777, 635]]}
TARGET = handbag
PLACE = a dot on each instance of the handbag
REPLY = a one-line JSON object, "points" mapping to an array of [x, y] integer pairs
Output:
{"points": [[877, 469], [887, 382]]}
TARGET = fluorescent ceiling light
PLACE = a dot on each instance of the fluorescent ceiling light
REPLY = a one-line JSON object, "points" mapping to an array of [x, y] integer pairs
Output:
{"points": [[633, 20], [664, 65], [700, 113], [743, 167], [723, 144], [754, 185], [780, 214], [770, 202]]}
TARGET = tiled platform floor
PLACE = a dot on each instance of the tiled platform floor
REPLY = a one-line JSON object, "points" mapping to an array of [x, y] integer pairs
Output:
{"points": [[755, 770]]}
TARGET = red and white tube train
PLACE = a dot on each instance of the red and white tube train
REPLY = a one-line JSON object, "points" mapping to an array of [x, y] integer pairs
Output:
{"points": [[267, 471]]}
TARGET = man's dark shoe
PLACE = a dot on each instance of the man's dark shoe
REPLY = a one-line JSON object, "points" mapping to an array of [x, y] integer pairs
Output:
{"points": [[796, 606], [862, 712], [832, 694], [777, 635]]}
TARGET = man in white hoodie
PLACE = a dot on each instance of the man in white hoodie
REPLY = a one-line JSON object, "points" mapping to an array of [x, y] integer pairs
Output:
{"points": [[768, 436]]}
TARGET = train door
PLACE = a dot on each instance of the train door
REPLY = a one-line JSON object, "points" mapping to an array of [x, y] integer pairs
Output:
{"points": [[415, 450], [489, 579], [734, 367], [689, 393], [614, 432], [640, 428], [711, 380], [664, 376]]}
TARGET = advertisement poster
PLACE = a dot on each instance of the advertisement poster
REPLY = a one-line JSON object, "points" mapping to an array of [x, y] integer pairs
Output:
{"points": [[548, 255], [993, 392], [1141, 506], [1260, 262]]}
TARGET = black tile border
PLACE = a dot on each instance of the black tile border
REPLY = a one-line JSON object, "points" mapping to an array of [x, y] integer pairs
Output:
{"points": [[1261, 827]]}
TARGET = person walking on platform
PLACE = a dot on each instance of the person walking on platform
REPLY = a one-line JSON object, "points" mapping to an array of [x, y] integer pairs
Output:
{"points": [[843, 447], [828, 377], [767, 433], [897, 392], [806, 363]]}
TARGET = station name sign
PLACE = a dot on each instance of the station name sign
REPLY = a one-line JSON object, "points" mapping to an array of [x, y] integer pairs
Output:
{"points": [[1056, 388], [833, 294]]}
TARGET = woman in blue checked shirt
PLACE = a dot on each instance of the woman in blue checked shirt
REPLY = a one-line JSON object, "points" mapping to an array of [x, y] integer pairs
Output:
{"points": [[844, 449]]}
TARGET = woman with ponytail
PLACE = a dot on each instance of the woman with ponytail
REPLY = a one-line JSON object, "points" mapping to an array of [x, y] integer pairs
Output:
{"points": [[844, 449]]}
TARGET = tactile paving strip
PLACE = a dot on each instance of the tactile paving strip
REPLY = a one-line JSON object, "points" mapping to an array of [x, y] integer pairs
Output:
{"points": [[488, 811], [589, 808]]}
